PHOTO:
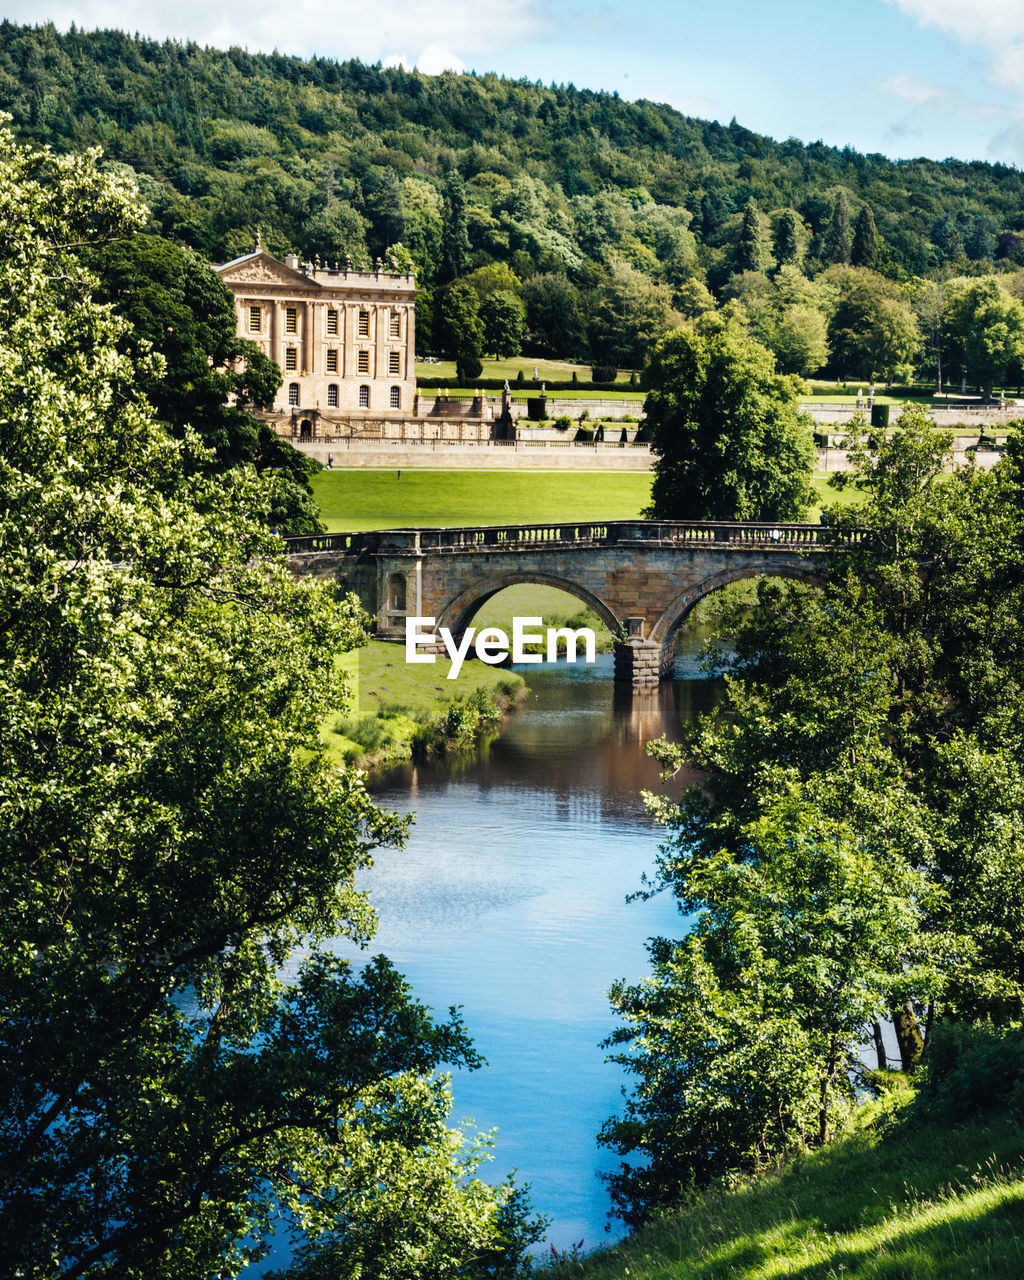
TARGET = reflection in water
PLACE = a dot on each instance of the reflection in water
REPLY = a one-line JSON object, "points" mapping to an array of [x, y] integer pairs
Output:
{"points": [[509, 900]]}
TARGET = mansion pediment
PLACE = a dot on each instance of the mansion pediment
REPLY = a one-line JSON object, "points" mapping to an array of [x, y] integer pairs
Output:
{"points": [[261, 268]]}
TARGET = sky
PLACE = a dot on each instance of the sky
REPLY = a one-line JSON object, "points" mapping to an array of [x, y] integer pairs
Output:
{"points": [[905, 78]]}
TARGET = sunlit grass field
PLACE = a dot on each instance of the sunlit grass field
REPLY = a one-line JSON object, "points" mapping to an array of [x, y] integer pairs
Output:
{"points": [[359, 499], [363, 499]]}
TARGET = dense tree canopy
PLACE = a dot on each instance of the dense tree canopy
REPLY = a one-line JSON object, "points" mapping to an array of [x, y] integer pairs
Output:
{"points": [[467, 171], [172, 833], [729, 439]]}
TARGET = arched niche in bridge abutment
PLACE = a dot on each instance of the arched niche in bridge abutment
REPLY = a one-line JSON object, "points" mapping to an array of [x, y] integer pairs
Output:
{"points": [[395, 597], [464, 610], [667, 626]]}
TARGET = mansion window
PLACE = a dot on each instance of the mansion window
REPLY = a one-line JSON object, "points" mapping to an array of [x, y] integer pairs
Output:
{"points": [[293, 393], [332, 361], [332, 396], [364, 362], [255, 319], [395, 363], [396, 325], [396, 397], [332, 323], [364, 324], [291, 319], [291, 359], [364, 397]]}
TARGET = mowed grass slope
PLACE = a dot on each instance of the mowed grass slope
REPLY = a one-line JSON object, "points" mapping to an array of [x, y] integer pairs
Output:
{"points": [[363, 499], [927, 1202]]}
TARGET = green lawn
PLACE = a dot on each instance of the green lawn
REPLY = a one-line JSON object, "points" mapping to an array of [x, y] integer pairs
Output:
{"points": [[368, 499]]}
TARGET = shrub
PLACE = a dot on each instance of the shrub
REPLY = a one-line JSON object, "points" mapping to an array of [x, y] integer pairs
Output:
{"points": [[634, 381], [583, 435], [563, 422], [972, 1069], [468, 367], [604, 372], [520, 376], [880, 416], [584, 415]]}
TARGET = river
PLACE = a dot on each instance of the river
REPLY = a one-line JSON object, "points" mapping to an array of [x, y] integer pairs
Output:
{"points": [[510, 901]]}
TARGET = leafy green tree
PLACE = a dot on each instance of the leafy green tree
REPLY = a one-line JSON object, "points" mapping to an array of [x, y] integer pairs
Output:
{"points": [[336, 232], [423, 208], [986, 325], [866, 244], [726, 429], [838, 242], [172, 834], [503, 318], [873, 331], [554, 316], [458, 332], [454, 230], [792, 952], [751, 253], [631, 315], [208, 377], [981, 243]]}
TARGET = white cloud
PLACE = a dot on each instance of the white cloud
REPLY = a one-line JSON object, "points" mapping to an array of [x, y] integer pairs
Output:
{"points": [[991, 23], [337, 28], [909, 88], [995, 26], [434, 59]]}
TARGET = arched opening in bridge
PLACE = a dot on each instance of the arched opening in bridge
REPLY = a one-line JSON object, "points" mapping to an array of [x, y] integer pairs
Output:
{"points": [[557, 603], [694, 616]]}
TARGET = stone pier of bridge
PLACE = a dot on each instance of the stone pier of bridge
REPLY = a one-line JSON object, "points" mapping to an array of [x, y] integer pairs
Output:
{"points": [[641, 578]]}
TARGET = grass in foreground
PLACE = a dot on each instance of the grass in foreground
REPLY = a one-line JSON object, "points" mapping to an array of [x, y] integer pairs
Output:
{"points": [[363, 499], [929, 1202]]}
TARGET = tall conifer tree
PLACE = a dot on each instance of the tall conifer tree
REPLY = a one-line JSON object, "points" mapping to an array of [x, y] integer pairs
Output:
{"points": [[750, 253], [866, 240], [838, 241], [454, 233]]}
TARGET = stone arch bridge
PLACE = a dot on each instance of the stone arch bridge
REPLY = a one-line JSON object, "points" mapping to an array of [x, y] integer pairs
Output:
{"points": [[641, 577]]}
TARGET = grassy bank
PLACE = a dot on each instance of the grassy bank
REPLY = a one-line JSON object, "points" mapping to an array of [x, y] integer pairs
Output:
{"points": [[399, 710], [364, 499], [921, 1202]]}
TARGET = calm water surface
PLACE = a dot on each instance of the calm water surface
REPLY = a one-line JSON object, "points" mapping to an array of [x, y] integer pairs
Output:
{"points": [[510, 900]]}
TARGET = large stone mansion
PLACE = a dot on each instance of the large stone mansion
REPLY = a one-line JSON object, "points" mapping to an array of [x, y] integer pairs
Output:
{"points": [[345, 339]]}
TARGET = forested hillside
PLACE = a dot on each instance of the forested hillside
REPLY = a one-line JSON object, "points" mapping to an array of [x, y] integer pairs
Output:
{"points": [[612, 218]]}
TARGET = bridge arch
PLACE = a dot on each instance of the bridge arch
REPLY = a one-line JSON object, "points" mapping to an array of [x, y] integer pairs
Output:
{"points": [[664, 630], [459, 612]]}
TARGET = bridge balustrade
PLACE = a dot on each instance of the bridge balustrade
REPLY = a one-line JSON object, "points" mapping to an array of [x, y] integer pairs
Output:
{"points": [[763, 536]]}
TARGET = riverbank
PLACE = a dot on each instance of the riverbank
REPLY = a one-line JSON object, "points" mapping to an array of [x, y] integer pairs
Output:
{"points": [[398, 710], [894, 1200]]}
